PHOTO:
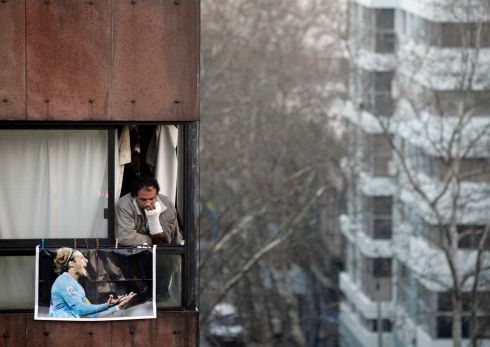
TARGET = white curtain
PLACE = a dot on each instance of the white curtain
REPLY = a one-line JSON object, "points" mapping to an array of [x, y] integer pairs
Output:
{"points": [[122, 157], [166, 163], [53, 184]]}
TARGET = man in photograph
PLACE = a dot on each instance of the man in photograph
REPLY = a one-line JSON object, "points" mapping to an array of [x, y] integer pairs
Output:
{"points": [[68, 298]]}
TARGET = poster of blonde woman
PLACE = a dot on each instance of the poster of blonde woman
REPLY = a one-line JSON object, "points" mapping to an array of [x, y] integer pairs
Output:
{"points": [[95, 284]]}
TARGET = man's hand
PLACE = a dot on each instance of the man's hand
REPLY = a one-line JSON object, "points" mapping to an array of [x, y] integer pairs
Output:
{"points": [[112, 301], [153, 218], [120, 301], [125, 299]]}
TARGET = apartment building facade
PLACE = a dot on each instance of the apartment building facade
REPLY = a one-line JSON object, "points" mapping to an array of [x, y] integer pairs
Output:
{"points": [[418, 128]]}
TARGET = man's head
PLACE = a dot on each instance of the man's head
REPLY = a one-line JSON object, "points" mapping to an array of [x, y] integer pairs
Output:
{"points": [[145, 192], [72, 261]]}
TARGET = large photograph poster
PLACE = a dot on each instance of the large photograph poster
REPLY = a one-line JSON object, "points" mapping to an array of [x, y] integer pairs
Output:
{"points": [[95, 284]]}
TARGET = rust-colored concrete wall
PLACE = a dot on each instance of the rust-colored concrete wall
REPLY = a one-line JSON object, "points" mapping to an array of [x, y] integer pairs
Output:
{"points": [[170, 329], [87, 60], [68, 60]]}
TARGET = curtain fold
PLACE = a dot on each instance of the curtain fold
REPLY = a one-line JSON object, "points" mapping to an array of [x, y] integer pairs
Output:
{"points": [[166, 162], [122, 157]]}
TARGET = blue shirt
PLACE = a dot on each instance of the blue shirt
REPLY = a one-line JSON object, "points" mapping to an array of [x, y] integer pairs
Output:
{"points": [[68, 300]]}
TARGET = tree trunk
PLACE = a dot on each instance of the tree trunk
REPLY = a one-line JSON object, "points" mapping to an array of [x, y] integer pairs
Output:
{"points": [[457, 319]]}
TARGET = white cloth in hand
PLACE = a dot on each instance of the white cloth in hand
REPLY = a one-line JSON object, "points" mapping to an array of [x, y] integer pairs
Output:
{"points": [[153, 217]]}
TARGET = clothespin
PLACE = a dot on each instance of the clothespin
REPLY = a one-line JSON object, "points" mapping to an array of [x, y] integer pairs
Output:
{"points": [[42, 244], [117, 243], [86, 244], [97, 244], [74, 243]]}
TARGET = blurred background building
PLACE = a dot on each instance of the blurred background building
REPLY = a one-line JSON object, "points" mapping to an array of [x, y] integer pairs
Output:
{"points": [[416, 221]]}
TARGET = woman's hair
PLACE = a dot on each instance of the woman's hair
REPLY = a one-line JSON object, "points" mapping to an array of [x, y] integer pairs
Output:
{"points": [[63, 256]]}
